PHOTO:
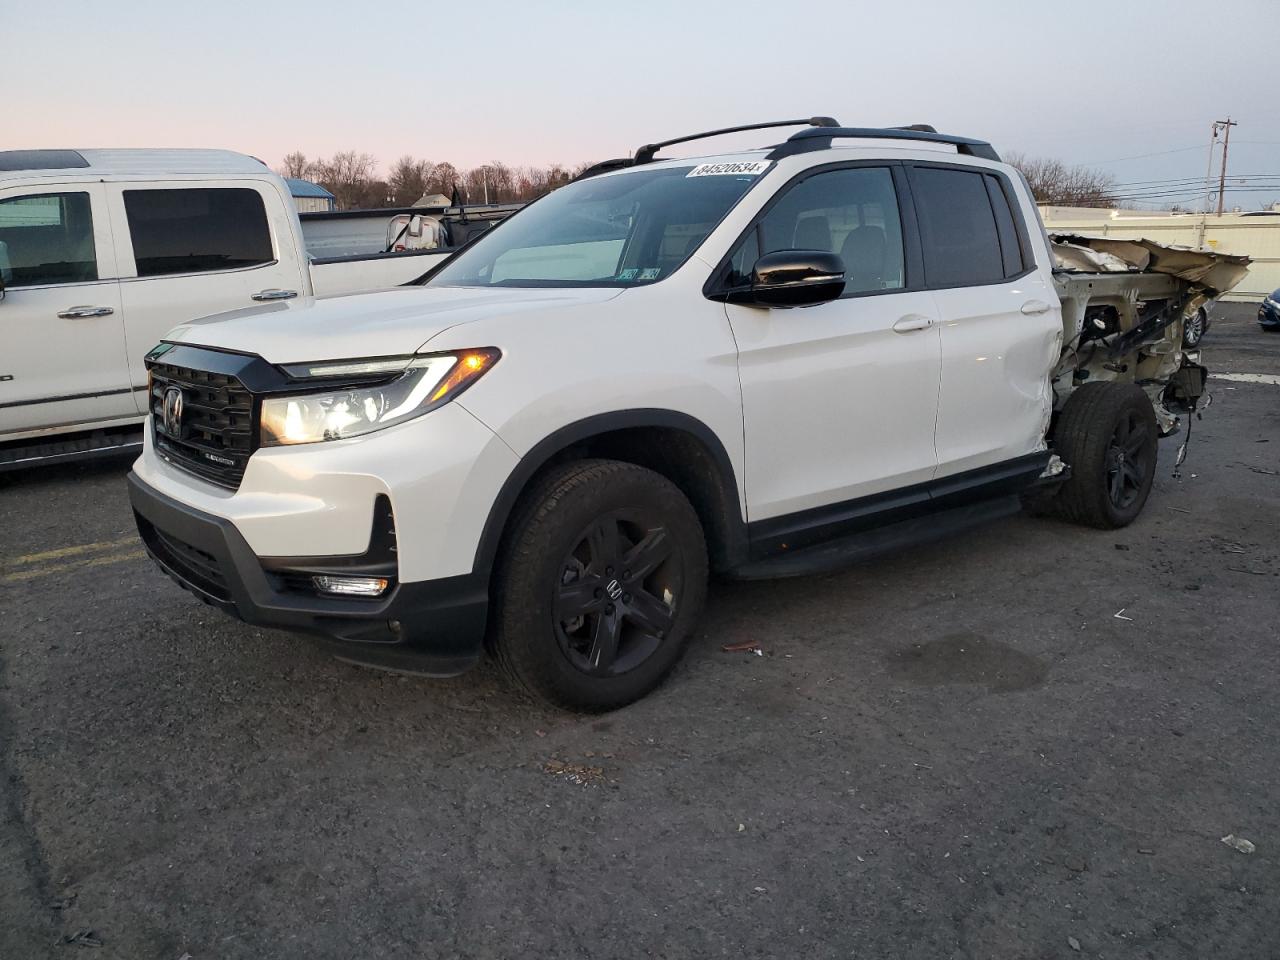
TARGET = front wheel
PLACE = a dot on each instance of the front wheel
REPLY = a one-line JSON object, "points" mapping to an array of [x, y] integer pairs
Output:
{"points": [[604, 575], [1107, 435]]}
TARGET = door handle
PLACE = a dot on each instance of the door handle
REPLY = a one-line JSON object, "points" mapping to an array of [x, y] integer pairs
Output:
{"points": [[274, 294], [1034, 308], [79, 313], [913, 321]]}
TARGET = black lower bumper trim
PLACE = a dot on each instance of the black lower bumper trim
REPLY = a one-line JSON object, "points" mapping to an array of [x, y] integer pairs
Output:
{"points": [[433, 627]]}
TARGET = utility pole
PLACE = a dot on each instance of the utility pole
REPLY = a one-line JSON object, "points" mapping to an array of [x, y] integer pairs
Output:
{"points": [[1226, 125], [1208, 172]]}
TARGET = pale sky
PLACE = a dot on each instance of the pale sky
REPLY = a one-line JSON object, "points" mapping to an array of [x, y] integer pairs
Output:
{"points": [[534, 83]]}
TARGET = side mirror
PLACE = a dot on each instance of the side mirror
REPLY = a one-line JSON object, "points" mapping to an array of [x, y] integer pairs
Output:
{"points": [[793, 278]]}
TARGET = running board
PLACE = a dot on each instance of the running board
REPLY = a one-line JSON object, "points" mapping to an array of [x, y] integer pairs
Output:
{"points": [[854, 548], [90, 445]]}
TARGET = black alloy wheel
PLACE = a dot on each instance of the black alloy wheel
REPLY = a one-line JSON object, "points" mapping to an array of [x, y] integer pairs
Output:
{"points": [[1129, 460], [1107, 435], [602, 578], [619, 589]]}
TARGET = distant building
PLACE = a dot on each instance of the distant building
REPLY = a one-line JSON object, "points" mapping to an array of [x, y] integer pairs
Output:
{"points": [[310, 197], [433, 200]]}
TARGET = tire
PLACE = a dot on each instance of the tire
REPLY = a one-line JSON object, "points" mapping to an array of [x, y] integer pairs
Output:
{"points": [[1194, 329], [1107, 435], [575, 624]]}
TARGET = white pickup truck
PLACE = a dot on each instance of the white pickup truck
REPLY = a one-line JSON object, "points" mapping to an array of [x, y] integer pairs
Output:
{"points": [[102, 251], [755, 364]]}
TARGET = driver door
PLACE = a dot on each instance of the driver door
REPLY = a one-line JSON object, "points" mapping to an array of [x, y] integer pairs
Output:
{"points": [[839, 399]]}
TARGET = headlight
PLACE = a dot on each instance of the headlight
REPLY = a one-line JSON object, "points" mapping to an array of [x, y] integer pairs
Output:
{"points": [[423, 383]]}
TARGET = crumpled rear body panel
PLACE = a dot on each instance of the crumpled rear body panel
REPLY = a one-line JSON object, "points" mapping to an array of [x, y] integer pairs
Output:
{"points": [[1124, 303]]}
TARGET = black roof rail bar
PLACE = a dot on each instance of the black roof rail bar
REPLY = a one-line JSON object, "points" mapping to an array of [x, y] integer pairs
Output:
{"points": [[646, 153], [814, 138], [605, 166]]}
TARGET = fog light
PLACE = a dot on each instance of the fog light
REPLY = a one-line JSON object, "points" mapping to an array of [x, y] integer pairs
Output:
{"points": [[351, 586]]}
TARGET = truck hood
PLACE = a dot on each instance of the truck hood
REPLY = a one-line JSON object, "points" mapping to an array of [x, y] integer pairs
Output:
{"points": [[387, 323]]}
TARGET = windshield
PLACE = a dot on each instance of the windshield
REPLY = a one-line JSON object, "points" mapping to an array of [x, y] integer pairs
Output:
{"points": [[615, 231]]}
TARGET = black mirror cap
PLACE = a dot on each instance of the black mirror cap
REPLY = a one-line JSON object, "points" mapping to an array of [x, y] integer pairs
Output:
{"points": [[795, 278]]}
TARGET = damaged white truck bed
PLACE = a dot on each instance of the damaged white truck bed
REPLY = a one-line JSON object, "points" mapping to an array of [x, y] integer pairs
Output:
{"points": [[1124, 303]]}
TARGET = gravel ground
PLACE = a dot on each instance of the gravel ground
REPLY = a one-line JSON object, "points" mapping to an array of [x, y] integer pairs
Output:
{"points": [[1025, 742]]}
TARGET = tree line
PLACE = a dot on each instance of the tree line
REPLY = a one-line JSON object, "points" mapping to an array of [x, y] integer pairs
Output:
{"points": [[1065, 185], [353, 180]]}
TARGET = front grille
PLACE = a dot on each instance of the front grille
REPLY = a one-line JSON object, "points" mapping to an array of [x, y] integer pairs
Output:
{"points": [[190, 564], [213, 438]]}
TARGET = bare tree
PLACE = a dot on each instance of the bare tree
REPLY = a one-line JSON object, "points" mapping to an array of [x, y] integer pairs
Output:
{"points": [[409, 180], [1053, 181], [444, 177], [347, 176], [295, 165]]}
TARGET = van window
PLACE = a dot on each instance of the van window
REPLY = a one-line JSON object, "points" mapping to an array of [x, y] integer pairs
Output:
{"points": [[197, 230], [852, 212], [47, 238], [957, 227]]}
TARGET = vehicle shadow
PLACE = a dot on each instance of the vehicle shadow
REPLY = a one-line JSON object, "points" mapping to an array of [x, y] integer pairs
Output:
{"points": [[71, 472]]}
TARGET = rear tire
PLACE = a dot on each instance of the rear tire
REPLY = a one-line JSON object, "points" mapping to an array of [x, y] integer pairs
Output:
{"points": [[603, 578], [1107, 435]]}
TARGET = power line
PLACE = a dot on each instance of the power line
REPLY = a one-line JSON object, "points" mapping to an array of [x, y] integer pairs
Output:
{"points": [[1142, 156]]}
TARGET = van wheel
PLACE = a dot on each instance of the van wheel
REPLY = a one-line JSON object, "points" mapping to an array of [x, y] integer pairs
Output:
{"points": [[1107, 435], [604, 575]]}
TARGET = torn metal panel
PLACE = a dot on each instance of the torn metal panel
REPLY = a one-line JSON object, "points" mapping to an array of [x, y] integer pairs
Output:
{"points": [[1216, 273], [1124, 303]]}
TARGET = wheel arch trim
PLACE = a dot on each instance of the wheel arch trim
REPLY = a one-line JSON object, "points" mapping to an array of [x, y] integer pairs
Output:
{"points": [[542, 453]]}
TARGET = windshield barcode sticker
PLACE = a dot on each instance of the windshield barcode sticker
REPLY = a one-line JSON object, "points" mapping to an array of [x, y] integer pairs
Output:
{"points": [[753, 169]]}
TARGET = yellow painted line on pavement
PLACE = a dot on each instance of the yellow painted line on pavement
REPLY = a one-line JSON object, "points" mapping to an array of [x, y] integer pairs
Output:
{"points": [[28, 558], [55, 568]]}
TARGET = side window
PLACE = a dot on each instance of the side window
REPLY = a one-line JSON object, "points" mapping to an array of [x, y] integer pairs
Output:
{"points": [[1010, 249], [197, 230], [851, 212], [47, 238], [957, 227]]}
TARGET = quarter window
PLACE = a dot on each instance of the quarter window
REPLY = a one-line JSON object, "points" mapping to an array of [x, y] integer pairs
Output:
{"points": [[957, 227], [197, 230], [47, 239], [1010, 249], [851, 212]]}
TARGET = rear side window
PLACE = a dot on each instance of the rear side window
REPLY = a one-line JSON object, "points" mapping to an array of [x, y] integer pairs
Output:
{"points": [[47, 239], [1010, 249], [197, 230], [957, 227]]}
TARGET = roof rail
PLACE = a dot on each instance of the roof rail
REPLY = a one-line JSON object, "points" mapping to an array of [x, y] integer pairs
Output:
{"points": [[814, 138], [604, 166], [646, 153]]}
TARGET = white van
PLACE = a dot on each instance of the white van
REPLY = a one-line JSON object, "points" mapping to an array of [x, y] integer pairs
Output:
{"points": [[102, 251]]}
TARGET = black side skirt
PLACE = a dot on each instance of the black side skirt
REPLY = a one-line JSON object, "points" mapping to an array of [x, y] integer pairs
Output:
{"points": [[846, 532]]}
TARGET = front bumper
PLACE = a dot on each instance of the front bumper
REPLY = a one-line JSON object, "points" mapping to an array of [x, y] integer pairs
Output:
{"points": [[434, 627], [1268, 315]]}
